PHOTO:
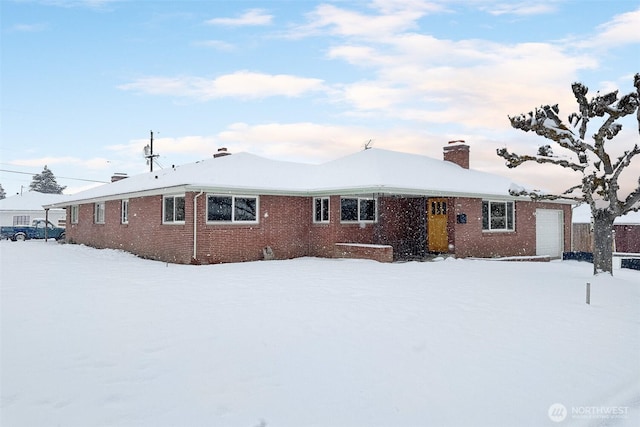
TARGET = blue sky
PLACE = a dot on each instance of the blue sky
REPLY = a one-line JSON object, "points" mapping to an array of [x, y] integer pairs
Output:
{"points": [[83, 82]]}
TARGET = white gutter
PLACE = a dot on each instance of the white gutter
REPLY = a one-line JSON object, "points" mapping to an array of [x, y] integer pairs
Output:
{"points": [[72, 200], [314, 192], [195, 224]]}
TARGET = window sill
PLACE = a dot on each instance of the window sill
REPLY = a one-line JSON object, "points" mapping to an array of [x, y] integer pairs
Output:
{"points": [[214, 223], [357, 222]]}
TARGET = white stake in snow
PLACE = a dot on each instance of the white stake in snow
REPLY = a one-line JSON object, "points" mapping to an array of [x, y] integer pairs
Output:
{"points": [[588, 293]]}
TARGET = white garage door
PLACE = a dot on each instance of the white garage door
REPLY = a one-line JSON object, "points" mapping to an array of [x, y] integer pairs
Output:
{"points": [[549, 232]]}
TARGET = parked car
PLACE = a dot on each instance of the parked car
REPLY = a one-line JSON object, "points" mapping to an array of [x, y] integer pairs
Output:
{"points": [[34, 231]]}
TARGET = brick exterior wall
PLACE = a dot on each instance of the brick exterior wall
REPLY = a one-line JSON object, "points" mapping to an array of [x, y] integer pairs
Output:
{"points": [[286, 226], [471, 241], [380, 253], [283, 226], [144, 235], [627, 238], [323, 236], [403, 224]]}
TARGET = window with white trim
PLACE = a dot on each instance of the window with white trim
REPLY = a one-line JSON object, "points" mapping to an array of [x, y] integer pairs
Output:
{"points": [[498, 216], [124, 212], [358, 209], [320, 209], [98, 213], [21, 220], [74, 214], [222, 208], [173, 209]]}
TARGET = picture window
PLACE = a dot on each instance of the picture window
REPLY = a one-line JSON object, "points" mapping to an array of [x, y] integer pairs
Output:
{"points": [[498, 216], [232, 209], [359, 209]]}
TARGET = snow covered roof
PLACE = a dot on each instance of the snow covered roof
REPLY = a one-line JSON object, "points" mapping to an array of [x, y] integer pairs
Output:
{"points": [[30, 201], [582, 215], [368, 171]]}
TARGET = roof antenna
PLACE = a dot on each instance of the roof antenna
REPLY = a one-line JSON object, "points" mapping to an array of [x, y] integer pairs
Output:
{"points": [[148, 153], [368, 144]]}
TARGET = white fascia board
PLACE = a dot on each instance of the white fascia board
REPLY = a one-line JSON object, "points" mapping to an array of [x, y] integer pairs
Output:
{"points": [[343, 191], [347, 191], [28, 210], [559, 201], [318, 192], [248, 191], [398, 191], [120, 196]]}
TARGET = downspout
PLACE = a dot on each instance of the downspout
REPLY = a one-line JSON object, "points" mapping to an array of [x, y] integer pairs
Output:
{"points": [[195, 225]]}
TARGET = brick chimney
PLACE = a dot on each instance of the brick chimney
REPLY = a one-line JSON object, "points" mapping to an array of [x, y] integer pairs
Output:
{"points": [[118, 176], [457, 152], [221, 153]]}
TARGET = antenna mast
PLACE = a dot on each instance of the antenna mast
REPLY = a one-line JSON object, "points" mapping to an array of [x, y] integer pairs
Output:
{"points": [[148, 153]]}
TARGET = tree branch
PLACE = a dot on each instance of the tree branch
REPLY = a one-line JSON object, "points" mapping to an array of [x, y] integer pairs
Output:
{"points": [[632, 202], [601, 183], [580, 92], [538, 196], [545, 122], [636, 84], [515, 160]]}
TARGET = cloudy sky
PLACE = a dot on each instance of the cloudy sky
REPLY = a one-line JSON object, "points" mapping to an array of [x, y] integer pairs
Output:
{"points": [[83, 82]]}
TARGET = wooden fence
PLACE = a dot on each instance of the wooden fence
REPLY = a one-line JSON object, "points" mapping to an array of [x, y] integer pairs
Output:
{"points": [[627, 238]]}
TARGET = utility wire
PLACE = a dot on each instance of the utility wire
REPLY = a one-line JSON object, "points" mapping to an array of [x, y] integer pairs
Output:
{"points": [[62, 177]]}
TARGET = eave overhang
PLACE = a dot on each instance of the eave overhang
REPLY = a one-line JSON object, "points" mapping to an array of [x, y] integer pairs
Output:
{"points": [[376, 190]]}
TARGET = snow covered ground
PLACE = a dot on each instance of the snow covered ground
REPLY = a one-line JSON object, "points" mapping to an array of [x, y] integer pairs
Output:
{"points": [[102, 338]]}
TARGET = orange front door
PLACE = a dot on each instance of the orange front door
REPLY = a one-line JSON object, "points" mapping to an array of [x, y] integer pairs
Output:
{"points": [[437, 225]]}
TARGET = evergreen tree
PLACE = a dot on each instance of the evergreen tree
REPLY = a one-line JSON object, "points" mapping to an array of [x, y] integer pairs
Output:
{"points": [[597, 183], [3, 195], [45, 182]]}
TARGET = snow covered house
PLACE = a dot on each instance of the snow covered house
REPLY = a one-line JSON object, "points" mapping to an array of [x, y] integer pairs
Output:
{"points": [[22, 209], [376, 204]]}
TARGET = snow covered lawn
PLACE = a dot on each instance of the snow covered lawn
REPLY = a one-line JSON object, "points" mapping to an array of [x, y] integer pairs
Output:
{"points": [[102, 338]]}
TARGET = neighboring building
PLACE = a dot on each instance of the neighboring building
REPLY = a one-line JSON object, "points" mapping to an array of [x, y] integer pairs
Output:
{"points": [[22, 209], [375, 203], [626, 228]]}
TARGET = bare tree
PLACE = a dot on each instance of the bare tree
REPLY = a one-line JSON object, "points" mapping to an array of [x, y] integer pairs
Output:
{"points": [[589, 157]]}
